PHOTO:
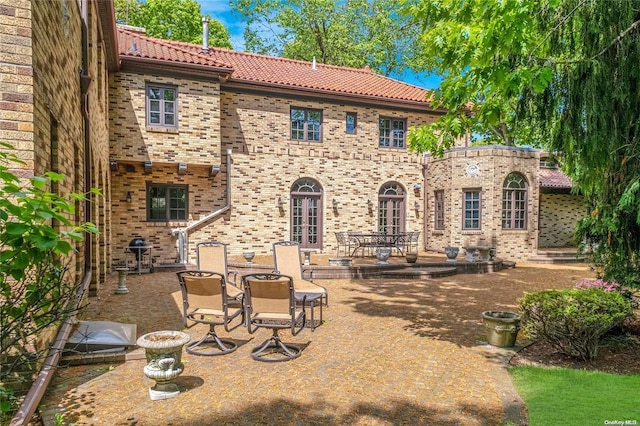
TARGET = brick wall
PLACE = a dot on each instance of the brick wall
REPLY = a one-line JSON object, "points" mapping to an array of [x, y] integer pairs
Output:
{"points": [[16, 81], [266, 163], [494, 163], [40, 106], [558, 215], [197, 139]]}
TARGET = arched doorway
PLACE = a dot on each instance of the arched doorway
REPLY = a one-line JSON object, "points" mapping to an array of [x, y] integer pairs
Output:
{"points": [[306, 213], [391, 208]]}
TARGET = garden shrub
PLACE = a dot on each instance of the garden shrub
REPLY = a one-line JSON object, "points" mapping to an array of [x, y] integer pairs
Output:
{"points": [[37, 292], [573, 321]]}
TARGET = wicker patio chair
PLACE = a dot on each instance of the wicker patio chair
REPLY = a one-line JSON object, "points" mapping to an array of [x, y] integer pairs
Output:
{"points": [[205, 300], [271, 303], [286, 256]]}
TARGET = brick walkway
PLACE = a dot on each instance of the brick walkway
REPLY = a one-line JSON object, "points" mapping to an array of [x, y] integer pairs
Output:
{"points": [[391, 353]]}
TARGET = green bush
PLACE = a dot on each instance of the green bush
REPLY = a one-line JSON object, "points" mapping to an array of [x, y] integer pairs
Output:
{"points": [[573, 321], [36, 291]]}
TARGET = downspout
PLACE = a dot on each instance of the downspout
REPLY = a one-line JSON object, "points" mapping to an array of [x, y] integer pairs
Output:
{"points": [[183, 234], [45, 375]]}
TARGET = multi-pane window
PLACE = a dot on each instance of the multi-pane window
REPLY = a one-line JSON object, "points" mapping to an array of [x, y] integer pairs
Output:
{"points": [[438, 210], [352, 121], [162, 103], [471, 209], [514, 202], [306, 124], [392, 132], [166, 202]]}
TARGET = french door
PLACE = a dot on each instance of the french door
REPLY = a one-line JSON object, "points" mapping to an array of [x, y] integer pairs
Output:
{"points": [[306, 214], [391, 210]]}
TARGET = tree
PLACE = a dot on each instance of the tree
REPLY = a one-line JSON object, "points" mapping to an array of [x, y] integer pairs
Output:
{"points": [[354, 33], [179, 20], [566, 69]]}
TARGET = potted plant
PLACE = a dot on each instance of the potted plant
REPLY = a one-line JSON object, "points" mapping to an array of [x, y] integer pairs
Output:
{"points": [[163, 350]]}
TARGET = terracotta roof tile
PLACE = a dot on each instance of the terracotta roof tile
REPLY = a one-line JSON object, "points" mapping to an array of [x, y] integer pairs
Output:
{"points": [[133, 44], [554, 178], [261, 69]]}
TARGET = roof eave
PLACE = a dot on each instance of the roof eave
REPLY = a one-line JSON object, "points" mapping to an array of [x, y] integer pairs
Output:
{"points": [[107, 17], [324, 93], [163, 65]]}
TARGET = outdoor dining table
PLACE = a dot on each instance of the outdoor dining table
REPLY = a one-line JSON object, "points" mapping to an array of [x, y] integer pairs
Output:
{"points": [[375, 240]]}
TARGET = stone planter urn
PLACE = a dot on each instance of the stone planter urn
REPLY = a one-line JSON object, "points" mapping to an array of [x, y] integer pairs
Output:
{"points": [[452, 253], [163, 350], [248, 256], [382, 254], [411, 257], [501, 327]]}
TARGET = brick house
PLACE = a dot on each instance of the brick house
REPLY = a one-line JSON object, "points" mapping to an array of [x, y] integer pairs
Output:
{"points": [[190, 143]]}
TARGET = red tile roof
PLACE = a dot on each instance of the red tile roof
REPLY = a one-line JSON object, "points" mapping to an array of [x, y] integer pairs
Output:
{"points": [[274, 71], [554, 178], [136, 45]]}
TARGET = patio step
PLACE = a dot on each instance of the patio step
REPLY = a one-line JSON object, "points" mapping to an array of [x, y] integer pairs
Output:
{"points": [[556, 256], [419, 273]]}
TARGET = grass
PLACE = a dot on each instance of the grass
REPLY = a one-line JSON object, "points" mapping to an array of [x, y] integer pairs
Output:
{"points": [[561, 396]]}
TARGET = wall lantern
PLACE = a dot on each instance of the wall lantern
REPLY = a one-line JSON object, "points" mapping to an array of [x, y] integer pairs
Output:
{"points": [[215, 169], [113, 164], [335, 203], [148, 167], [417, 187], [182, 168], [129, 198]]}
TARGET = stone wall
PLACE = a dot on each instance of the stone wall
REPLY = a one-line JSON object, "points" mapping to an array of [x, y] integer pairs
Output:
{"points": [[454, 174], [558, 216]]}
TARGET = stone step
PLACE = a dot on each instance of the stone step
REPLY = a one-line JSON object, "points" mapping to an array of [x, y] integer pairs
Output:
{"points": [[419, 273], [556, 258]]}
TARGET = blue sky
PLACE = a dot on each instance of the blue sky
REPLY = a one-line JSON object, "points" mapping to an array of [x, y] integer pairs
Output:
{"points": [[220, 10]]}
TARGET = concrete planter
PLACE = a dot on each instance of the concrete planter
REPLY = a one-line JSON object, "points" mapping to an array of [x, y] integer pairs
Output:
{"points": [[501, 327], [163, 350]]}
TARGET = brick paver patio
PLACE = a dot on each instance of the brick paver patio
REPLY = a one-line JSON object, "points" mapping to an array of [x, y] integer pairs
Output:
{"points": [[390, 353]]}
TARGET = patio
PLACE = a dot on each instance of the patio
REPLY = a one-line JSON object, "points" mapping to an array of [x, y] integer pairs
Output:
{"points": [[392, 351]]}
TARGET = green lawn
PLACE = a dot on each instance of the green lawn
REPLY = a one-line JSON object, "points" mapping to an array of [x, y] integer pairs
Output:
{"points": [[560, 396]]}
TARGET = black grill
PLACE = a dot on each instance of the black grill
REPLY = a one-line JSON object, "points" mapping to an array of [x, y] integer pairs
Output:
{"points": [[135, 247]]}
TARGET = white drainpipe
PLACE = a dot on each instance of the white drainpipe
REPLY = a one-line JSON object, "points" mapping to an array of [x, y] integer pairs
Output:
{"points": [[183, 234]]}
